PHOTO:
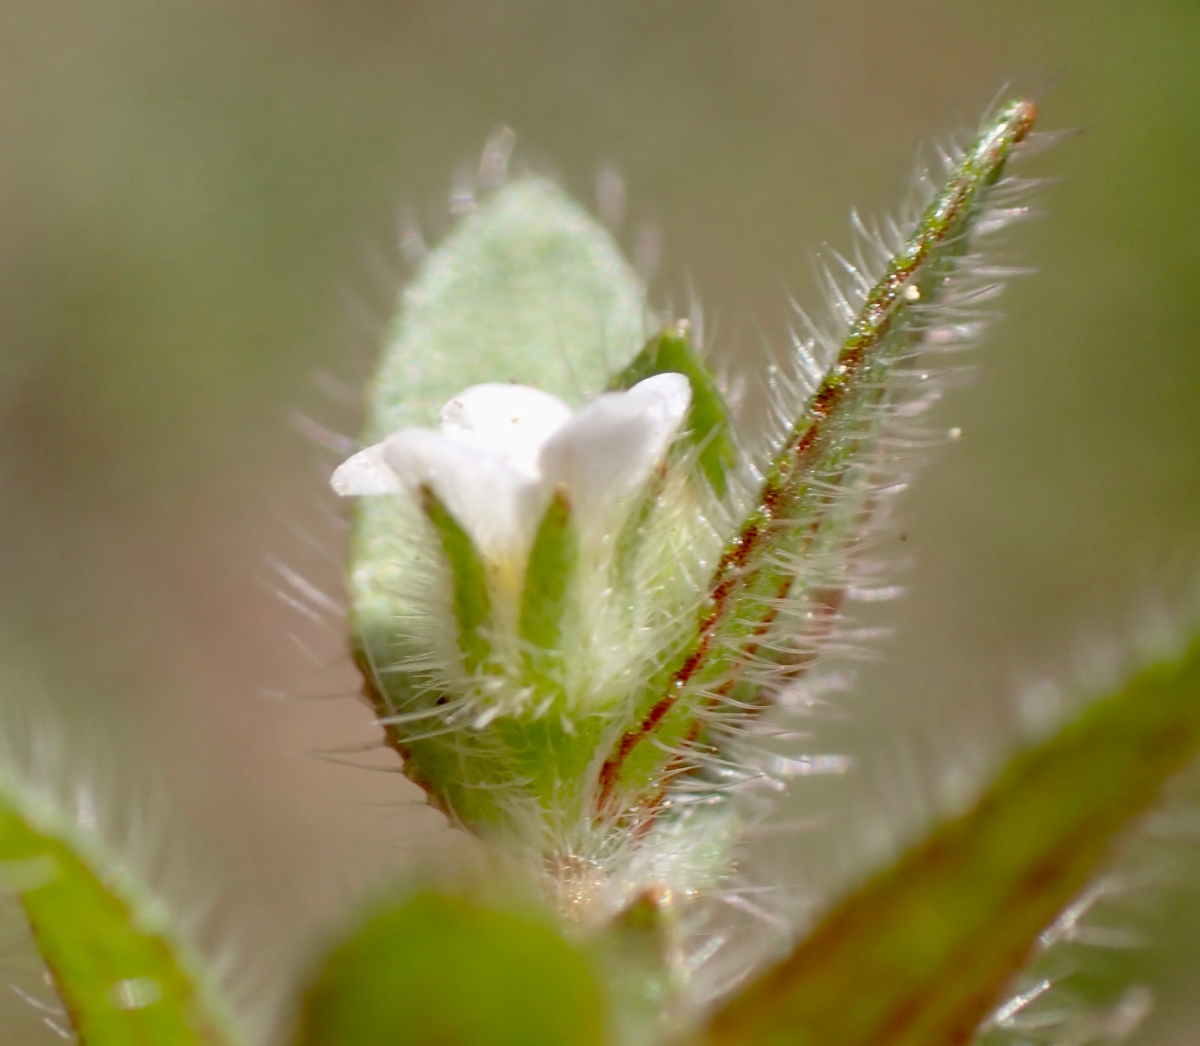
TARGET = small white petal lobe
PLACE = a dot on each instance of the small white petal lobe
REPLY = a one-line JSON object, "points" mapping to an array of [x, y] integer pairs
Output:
{"points": [[364, 474], [608, 451], [497, 504]]}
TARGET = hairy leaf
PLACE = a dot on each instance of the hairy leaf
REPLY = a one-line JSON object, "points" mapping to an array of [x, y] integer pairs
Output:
{"points": [[528, 289], [920, 954], [121, 977], [802, 506]]}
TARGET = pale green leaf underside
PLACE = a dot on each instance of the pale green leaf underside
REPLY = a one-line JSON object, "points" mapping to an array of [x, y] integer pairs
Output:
{"points": [[443, 971], [120, 977], [529, 289], [919, 954]]}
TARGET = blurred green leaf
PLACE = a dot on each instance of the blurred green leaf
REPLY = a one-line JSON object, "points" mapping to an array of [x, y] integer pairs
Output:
{"points": [[920, 953], [121, 978], [443, 971]]}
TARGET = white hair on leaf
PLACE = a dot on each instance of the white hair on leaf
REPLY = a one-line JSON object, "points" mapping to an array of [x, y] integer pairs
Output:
{"points": [[117, 837]]}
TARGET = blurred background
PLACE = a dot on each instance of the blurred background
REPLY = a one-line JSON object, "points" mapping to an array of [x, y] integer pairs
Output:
{"points": [[200, 205]]}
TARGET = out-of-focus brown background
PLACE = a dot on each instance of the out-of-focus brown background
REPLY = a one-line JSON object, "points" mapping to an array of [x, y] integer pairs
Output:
{"points": [[199, 206]]}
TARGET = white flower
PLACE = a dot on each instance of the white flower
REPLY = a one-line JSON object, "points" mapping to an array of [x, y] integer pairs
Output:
{"points": [[502, 451]]}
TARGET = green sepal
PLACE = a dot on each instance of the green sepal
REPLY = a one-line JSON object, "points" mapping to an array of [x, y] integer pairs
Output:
{"points": [[472, 603], [548, 754], [919, 955], [122, 979], [707, 425], [552, 565], [440, 970]]}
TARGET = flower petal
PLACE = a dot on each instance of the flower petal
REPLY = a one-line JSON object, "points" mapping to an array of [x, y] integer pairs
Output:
{"points": [[667, 397], [607, 452], [497, 504], [364, 474], [509, 421]]}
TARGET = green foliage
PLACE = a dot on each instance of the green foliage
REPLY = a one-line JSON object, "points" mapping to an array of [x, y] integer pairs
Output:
{"points": [[438, 970], [602, 690], [578, 695], [552, 564], [920, 953], [122, 978], [528, 289], [802, 508]]}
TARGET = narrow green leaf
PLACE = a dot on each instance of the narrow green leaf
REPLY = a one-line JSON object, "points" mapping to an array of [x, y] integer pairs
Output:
{"points": [[472, 604], [444, 971], [920, 953], [552, 564], [802, 510], [121, 978], [708, 422]]}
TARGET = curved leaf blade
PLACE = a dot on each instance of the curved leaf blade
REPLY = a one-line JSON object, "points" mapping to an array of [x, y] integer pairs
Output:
{"points": [[919, 954], [122, 979]]}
